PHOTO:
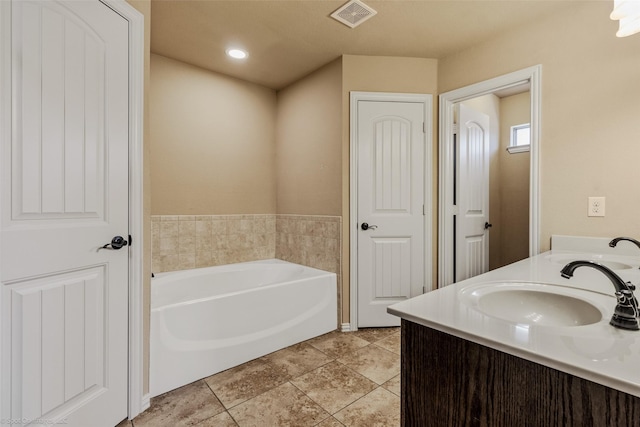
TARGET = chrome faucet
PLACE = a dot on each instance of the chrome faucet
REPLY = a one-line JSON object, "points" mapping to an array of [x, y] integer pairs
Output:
{"points": [[614, 242], [625, 315]]}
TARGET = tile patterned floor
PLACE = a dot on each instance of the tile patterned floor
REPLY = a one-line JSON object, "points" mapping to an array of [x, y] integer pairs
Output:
{"points": [[335, 380]]}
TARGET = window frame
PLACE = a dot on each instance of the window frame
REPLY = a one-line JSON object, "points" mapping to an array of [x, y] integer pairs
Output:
{"points": [[513, 147]]}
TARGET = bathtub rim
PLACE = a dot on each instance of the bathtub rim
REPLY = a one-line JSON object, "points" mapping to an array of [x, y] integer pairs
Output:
{"points": [[162, 278], [186, 272]]}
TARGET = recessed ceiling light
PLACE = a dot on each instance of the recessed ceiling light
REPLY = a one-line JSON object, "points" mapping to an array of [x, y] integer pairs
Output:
{"points": [[237, 53]]}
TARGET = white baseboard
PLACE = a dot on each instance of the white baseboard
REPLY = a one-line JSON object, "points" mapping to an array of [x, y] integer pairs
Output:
{"points": [[145, 403], [345, 327]]}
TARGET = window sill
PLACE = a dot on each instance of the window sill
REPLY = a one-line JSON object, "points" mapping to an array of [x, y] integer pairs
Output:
{"points": [[518, 149]]}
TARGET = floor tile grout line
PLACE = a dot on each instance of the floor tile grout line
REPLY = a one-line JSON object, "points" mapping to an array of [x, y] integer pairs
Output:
{"points": [[240, 403], [362, 375], [219, 401], [380, 339], [307, 371], [279, 385], [358, 399], [213, 416], [273, 388], [377, 346], [233, 418], [214, 393], [271, 364], [356, 373], [370, 379], [313, 400], [380, 346], [330, 416], [257, 395], [321, 366], [337, 359], [253, 397]]}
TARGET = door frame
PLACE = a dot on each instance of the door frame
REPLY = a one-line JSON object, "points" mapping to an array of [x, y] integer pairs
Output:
{"points": [[137, 400], [355, 97], [446, 168]]}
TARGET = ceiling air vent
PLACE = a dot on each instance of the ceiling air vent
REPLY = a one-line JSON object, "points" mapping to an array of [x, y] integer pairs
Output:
{"points": [[353, 13]]}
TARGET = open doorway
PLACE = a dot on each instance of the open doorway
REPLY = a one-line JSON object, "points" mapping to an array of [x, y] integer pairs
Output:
{"points": [[488, 179], [494, 232]]}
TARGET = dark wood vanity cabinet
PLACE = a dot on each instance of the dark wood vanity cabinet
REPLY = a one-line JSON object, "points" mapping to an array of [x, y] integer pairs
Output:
{"points": [[448, 381]]}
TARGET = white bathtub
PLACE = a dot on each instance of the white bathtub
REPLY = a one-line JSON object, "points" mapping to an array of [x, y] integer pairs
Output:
{"points": [[206, 320]]}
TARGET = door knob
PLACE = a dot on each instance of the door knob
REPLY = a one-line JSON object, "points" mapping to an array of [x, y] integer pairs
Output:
{"points": [[116, 243], [487, 225], [366, 226]]}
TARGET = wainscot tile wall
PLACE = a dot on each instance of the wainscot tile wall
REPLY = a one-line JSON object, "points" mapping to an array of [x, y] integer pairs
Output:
{"points": [[181, 242], [310, 240]]}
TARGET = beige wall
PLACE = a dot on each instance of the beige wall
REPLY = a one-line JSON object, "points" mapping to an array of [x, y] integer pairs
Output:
{"points": [[383, 74], [309, 145], [213, 142], [590, 141], [514, 182]]}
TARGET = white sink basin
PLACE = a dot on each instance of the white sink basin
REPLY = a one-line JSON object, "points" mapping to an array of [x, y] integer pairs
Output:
{"points": [[608, 261], [536, 303]]}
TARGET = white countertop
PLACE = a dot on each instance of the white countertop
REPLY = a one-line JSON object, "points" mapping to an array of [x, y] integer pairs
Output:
{"points": [[597, 352]]}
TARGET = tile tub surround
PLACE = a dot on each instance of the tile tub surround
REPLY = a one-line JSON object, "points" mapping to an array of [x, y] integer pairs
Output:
{"points": [[181, 242], [314, 241]]}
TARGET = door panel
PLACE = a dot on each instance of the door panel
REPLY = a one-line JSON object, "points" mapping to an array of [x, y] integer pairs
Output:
{"points": [[390, 198], [392, 277], [58, 330], [472, 243], [58, 155], [64, 195]]}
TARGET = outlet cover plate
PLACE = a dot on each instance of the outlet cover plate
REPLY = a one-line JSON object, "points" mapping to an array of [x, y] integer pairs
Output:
{"points": [[596, 206]]}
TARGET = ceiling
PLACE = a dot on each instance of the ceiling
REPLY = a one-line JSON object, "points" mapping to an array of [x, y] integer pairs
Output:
{"points": [[288, 39]]}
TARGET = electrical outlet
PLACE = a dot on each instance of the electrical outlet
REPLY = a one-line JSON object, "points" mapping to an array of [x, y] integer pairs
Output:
{"points": [[596, 206]]}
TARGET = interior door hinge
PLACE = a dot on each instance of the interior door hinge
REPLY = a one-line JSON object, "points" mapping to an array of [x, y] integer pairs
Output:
{"points": [[424, 289], [423, 211], [424, 127]]}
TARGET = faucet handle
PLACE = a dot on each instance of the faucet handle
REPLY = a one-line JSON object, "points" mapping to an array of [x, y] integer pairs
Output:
{"points": [[625, 315], [624, 297], [631, 286]]}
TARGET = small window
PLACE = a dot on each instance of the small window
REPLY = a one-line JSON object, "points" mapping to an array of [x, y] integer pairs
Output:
{"points": [[520, 138]]}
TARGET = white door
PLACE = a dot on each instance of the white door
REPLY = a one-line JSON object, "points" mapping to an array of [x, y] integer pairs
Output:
{"points": [[391, 144], [65, 195], [472, 220]]}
